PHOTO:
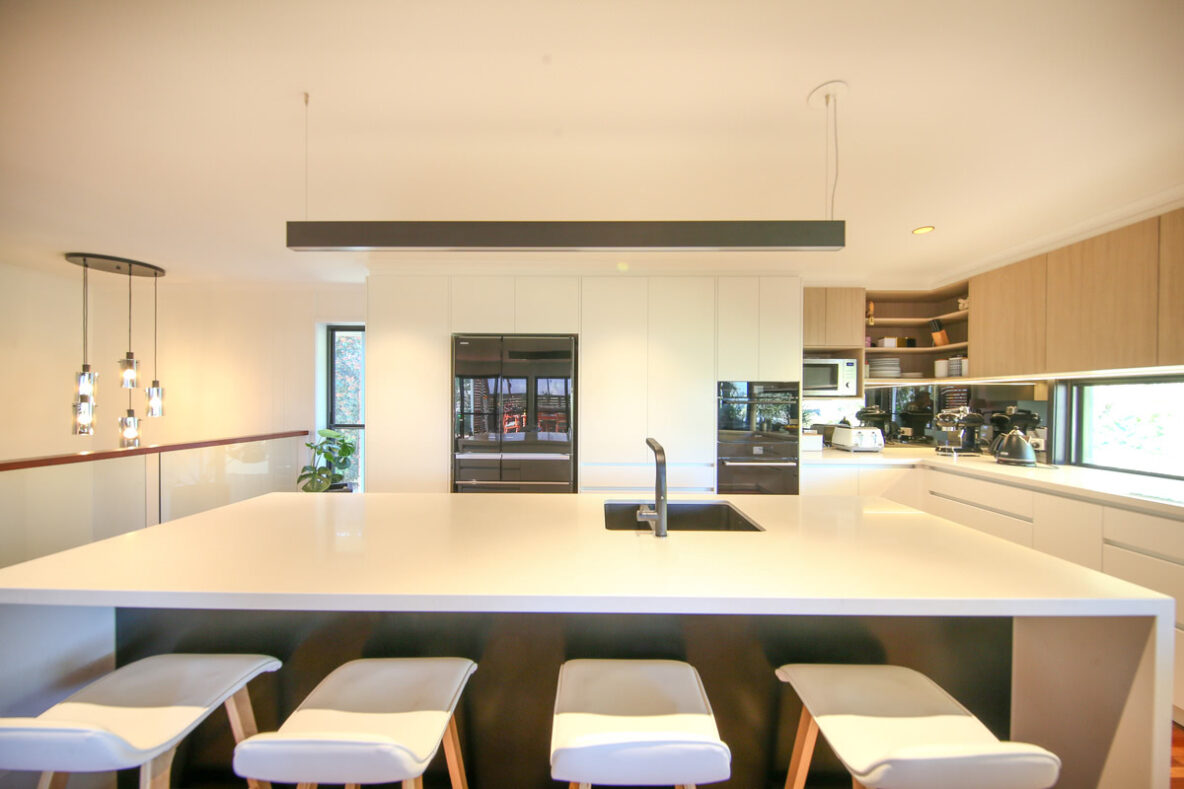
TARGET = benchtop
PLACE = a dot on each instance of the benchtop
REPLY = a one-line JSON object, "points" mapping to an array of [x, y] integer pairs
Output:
{"points": [[551, 553]]}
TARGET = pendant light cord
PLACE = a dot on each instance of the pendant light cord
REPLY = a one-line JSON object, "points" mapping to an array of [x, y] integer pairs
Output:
{"points": [[129, 308], [835, 182], [85, 272], [306, 156], [155, 328]]}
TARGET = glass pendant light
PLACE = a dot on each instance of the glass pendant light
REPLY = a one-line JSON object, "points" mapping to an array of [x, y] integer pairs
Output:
{"points": [[156, 391], [129, 428], [84, 382], [129, 365]]}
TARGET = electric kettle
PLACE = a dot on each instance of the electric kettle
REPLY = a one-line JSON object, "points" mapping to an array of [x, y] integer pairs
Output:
{"points": [[1014, 450]]}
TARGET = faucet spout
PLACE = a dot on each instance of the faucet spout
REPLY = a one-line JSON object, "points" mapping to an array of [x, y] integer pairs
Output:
{"points": [[657, 514]]}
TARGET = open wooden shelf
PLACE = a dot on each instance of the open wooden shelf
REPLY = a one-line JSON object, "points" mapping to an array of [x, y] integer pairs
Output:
{"points": [[876, 383], [949, 317], [953, 346]]}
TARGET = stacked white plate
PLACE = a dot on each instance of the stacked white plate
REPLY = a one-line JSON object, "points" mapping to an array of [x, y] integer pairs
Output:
{"points": [[885, 367], [956, 367]]}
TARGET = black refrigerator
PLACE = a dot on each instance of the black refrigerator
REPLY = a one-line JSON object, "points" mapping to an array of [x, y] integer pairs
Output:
{"points": [[513, 408]]}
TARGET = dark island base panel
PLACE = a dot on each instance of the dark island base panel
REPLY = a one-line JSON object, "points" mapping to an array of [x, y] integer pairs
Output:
{"points": [[505, 713]]}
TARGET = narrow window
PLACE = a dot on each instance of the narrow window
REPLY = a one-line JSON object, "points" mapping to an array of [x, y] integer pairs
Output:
{"points": [[1131, 426], [347, 389]]}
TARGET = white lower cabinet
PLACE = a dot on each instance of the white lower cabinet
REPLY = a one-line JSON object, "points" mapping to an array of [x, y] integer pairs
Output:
{"points": [[1069, 529], [1000, 510], [902, 485], [826, 480]]}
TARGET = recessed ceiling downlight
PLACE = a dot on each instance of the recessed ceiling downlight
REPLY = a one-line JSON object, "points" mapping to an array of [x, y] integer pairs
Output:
{"points": [[922, 230]]}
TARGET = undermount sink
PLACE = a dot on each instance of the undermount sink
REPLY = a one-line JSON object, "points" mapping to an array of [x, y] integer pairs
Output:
{"points": [[680, 516]]}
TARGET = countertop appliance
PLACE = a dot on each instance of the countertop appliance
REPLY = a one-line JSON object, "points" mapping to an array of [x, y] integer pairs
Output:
{"points": [[961, 425], [830, 377], [757, 443], [913, 421], [513, 401], [857, 439], [1014, 450]]}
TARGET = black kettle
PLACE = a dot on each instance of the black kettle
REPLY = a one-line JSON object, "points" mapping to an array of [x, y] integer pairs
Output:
{"points": [[1014, 450]]}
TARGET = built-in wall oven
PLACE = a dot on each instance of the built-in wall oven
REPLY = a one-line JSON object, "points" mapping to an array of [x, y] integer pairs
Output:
{"points": [[757, 437]]}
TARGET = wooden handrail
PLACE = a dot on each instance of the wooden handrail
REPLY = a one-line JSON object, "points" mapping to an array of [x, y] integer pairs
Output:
{"points": [[107, 454]]}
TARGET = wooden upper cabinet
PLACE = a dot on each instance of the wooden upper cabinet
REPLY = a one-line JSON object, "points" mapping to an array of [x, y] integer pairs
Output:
{"points": [[1007, 319], [1103, 301], [814, 316], [1171, 288], [833, 317]]}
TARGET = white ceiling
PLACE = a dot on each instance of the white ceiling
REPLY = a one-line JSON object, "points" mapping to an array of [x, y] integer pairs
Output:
{"points": [[174, 132]]}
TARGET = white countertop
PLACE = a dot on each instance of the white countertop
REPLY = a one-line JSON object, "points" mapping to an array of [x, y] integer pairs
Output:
{"points": [[539, 552], [1152, 494]]}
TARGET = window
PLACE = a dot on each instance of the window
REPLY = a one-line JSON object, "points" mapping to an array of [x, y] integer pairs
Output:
{"points": [[347, 389], [1130, 426]]}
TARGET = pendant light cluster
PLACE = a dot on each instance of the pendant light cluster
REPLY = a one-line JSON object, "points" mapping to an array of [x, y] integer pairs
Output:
{"points": [[129, 365]]}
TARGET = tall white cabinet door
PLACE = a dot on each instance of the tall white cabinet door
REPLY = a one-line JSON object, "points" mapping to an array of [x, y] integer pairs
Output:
{"points": [[682, 367], [738, 328], [483, 305], [547, 305], [780, 348], [612, 374]]}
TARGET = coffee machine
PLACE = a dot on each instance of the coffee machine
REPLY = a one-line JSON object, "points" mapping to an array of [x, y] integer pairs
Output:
{"points": [[961, 425], [874, 416], [913, 421]]}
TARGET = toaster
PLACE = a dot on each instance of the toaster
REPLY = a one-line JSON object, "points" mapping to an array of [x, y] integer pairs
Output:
{"points": [[857, 439]]}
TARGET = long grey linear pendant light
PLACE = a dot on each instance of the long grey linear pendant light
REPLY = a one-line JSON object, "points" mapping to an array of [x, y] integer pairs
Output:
{"points": [[767, 235]]}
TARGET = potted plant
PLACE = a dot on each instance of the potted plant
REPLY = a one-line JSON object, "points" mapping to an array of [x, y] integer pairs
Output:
{"points": [[330, 456]]}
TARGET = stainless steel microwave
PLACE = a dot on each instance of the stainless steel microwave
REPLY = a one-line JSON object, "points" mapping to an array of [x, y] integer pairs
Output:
{"points": [[830, 377]]}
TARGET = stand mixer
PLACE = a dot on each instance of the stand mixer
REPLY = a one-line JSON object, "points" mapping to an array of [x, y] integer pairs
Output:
{"points": [[963, 423]]}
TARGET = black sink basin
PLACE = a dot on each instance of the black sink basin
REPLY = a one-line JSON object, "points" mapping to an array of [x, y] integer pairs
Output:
{"points": [[680, 516]]}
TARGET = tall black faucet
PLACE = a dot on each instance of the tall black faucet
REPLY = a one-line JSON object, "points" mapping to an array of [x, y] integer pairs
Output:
{"points": [[656, 515]]}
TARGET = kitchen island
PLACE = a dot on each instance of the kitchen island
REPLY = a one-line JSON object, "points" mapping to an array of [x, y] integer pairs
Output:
{"points": [[1090, 655]]}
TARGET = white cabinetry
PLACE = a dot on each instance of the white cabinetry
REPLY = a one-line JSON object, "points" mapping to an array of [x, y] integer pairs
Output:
{"points": [[996, 509], [902, 485], [759, 329], [612, 371], [780, 345], [1149, 551], [737, 336], [482, 305], [681, 368], [547, 305], [1069, 529], [820, 479]]}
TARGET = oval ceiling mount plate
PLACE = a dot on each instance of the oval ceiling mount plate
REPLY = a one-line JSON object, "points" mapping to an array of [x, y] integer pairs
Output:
{"points": [[817, 97]]}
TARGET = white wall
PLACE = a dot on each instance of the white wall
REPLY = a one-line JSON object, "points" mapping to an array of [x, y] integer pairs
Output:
{"points": [[234, 359], [650, 352]]}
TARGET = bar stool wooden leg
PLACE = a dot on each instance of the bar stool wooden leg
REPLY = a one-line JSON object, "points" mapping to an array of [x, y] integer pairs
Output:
{"points": [[353, 786], [456, 764], [306, 786], [414, 783], [52, 780], [242, 725], [578, 785], [855, 784], [155, 774], [803, 750]]}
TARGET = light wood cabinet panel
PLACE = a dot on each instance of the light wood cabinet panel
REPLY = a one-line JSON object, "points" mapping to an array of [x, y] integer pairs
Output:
{"points": [[738, 328], [1103, 302], [814, 316], [1171, 288], [612, 372], [1007, 317], [845, 309], [780, 339], [681, 377], [833, 317]]}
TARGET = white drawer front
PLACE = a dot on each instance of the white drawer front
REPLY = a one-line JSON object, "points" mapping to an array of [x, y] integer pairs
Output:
{"points": [[1178, 686], [1157, 574], [1069, 529], [1162, 536], [1005, 526], [822, 480], [989, 495]]}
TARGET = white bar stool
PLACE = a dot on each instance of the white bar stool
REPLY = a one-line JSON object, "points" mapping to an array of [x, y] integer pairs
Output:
{"points": [[894, 728], [133, 717], [644, 722], [370, 721]]}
